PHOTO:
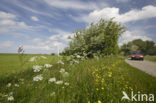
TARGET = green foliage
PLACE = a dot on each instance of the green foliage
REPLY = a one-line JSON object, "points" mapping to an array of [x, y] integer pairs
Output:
{"points": [[97, 39], [146, 47], [91, 80]]}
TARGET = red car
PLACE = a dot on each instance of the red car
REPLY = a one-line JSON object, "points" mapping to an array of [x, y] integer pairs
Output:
{"points": [[137, 55]]}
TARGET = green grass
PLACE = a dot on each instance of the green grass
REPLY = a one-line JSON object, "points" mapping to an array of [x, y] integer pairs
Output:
{"points": [[91, 80], [151, 58]]}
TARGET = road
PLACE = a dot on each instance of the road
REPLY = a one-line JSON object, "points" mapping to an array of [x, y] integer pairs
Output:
{"points": [[146, 66]]}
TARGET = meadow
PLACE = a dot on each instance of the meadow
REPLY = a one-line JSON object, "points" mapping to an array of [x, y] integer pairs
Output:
{"points": [[53, 79], [150, 58]]}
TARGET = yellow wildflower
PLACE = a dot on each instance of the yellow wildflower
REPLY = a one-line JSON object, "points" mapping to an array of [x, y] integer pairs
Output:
{"points": [[99, 101]]}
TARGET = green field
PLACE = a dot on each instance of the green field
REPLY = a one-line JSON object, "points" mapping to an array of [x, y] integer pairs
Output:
{"points": [[151, 58], [88, 81]]}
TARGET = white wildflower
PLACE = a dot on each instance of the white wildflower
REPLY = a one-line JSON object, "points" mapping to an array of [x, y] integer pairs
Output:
{"points": [[52, 79], [78, 56], [62, 70], [59, 82], [16, 85], [47, 65], [32, 59], [60, 62], [9, 85], [11, 93], [66, 83], [10, 98], [38, 78], [37, 68], [52, 94], [43, 57]]}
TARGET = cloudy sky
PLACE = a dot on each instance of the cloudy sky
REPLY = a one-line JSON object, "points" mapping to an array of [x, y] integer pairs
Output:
{"points": [[42, 26]]}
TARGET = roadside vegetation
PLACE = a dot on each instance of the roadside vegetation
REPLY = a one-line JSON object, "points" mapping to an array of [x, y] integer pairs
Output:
{"points": [[150, 58], [72, 81]]}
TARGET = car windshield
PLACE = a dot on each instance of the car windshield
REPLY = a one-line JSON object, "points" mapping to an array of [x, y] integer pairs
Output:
{"points": [[135, 52]]}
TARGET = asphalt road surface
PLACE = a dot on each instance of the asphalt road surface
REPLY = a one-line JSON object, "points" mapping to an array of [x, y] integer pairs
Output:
{"points": [[146, 66]]}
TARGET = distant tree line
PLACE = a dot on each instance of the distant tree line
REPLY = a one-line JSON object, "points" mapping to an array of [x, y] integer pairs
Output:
{"points": [[146, 47], [99, 38]]}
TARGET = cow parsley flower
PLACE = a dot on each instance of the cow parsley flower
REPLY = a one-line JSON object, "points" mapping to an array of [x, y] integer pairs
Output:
{"points": [[9, 85], [37, 68], [66, 83], [59, 82], [47, 65], [32, 59], [16, 85], [52, 94], [10, 98], [52, 79], [62, 70], [60, 62], [43, 57], [38, 78]]}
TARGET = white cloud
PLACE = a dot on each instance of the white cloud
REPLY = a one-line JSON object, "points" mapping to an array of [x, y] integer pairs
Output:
{"points": [[132, 35], [75, 4], [60, 35], [122, 1], [4, 15], [5, 44], [9, 23], [107, 13], [34, 18]]}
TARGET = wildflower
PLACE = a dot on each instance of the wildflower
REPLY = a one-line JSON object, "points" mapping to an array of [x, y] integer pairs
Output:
{"points": [[99, 101], [62, 70], [16, 85], [9, 85], [78, 56], [10, 98], [38, 78], [32, 59], [66, 83], [52, 79], [37, 68], [97, 89], [52, 94], [88, 101], [60, 62], [102, 88], [43, 57], [59, 82], [47, 65], [20, 50], [110, 74]]}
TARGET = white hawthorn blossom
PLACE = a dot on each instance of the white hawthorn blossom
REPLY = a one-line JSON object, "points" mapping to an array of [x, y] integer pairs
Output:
{"points": [[38, 78]]}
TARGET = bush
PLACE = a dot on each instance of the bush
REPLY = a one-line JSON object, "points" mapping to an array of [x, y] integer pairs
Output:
{"points": [[100, 38]]}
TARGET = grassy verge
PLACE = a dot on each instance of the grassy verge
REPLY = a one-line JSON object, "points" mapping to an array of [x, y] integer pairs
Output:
{"points": [[151, 58], [90, 81]]}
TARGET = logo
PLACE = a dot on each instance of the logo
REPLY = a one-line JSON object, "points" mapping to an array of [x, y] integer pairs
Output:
{"points": [[138, 97]]}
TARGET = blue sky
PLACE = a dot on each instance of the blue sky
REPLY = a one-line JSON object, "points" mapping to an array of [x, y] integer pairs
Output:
{"points": [[43, 26]]}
